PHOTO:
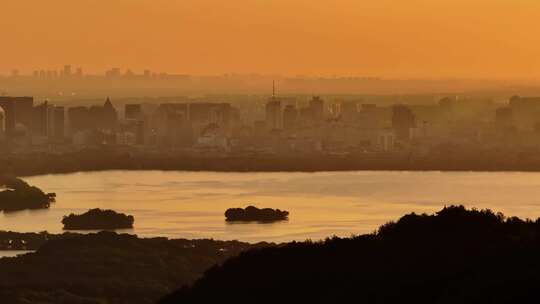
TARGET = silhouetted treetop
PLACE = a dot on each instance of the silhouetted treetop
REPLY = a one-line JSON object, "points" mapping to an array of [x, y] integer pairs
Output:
{"points": [[453, 256]]}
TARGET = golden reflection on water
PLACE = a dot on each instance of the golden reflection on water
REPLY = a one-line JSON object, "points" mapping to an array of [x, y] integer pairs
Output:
{"points": [[191, 204]]}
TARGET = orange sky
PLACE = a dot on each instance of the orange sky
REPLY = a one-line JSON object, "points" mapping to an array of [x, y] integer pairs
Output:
{"points": [[386, 38]]}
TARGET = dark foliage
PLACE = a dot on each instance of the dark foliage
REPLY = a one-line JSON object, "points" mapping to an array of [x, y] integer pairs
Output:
{"points": [[446, 158], [254, 214], [18, 195], [108, 268], [98, 219], [25, 241], [454, 256]]}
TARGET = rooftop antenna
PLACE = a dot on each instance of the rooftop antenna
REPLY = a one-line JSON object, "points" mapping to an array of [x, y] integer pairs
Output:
{"points": [[273, 89]]}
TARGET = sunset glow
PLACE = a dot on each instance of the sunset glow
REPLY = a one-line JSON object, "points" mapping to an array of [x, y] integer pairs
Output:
{"points": [[385, 38]]}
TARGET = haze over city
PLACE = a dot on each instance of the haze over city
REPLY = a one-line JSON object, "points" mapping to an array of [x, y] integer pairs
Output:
{"points": [[377, 38], [269, 151]]}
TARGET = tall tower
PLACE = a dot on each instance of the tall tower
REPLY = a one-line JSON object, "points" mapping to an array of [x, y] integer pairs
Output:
{"points": [[273, 110]]}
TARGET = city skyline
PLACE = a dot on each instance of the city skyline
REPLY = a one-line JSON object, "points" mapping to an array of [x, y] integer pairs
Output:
{"points": [[417, 39], [76, 70]]}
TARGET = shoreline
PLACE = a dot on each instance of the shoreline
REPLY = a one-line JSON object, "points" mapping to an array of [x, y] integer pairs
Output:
{"points": [[32, 241], [67, 172], [92, 160]]}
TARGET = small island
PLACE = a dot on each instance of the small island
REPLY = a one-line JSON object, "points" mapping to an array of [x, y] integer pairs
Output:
{"points": [[254, 214], [97, 219], [17, 195]]}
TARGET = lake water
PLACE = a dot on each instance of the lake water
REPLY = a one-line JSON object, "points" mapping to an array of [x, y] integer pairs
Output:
{"points": [[13, 253], [192, 204]]}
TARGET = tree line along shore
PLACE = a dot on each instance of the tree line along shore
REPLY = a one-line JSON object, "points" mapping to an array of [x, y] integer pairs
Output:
{"points": [[98, 160]]}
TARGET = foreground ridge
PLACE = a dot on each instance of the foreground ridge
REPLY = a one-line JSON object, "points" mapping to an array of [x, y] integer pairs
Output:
{"points": [[453, 256]]}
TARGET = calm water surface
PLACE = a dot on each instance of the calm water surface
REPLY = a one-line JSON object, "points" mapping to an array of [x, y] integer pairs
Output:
{"points": [[13, 253], [191, 204]]}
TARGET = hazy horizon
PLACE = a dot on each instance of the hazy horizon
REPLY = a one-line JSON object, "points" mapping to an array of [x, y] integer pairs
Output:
{"points": [[188, 151], [474, 39]]}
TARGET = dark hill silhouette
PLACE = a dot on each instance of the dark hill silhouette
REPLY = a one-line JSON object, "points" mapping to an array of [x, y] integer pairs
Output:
{"points": [[454, 256], [108, 268], [254, 214], [96, 219], [18, 195]]}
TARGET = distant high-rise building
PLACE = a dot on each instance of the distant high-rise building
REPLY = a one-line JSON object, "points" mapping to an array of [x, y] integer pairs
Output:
{"points": [[368, 107], [110, 116], [335, 110], [171, 125], [504, 119], [40, 126], [114, 72], [132, 132], [138, 126], [349, 111], [8, 108], [200, 115], [17, 110], [273, 111], [259, 127], [133, 111], [94, 118], [2, 123], [79, 119], [67, 71], [316, 106], [403, 120], [517, 102], [290, 117], [56, 122], [385, 140], [50, 121], [525, 111], [273, 114]]}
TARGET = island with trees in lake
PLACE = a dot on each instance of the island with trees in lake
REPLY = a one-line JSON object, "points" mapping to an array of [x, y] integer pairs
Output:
{"points": [[254, 214], [17, 195], [97, 219]]}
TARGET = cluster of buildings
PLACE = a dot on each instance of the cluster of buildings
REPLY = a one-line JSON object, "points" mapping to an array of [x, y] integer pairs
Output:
{"points": [[284, 126], [170, 125], [68, 72], [26, 124], [19, 116]]}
